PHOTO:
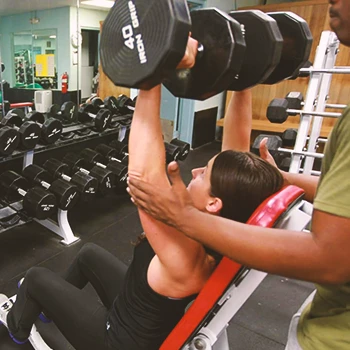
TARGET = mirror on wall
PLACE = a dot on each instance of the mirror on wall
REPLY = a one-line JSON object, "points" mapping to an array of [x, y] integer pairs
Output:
{"points": [[35, 59], [39, 48]]}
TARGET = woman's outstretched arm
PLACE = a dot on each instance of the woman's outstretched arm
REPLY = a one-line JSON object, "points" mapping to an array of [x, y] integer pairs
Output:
{"points": [[181, 262], [238, 122]]}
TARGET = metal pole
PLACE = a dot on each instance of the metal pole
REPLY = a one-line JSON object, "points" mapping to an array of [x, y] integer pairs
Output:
{"points": [[78, 58], [2, 87], [317, 114], [327, 38], [326, 80], [335, 106], [301, 153], [326, 70]]}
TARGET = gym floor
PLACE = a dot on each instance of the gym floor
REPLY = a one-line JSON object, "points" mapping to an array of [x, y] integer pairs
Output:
{"points": [[112, 222]]}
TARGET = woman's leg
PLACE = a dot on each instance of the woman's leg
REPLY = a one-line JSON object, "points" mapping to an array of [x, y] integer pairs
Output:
{"points": [[78, 315], [102, 269]]}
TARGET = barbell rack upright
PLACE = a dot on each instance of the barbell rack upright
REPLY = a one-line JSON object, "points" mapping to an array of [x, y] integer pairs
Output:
{"points": [[319, 82]]}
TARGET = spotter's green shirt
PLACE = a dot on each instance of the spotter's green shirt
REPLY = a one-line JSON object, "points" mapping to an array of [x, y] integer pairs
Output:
{"points": [[325, 323]]}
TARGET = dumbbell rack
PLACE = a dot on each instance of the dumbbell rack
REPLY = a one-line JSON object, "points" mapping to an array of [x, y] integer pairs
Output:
{"points": [[62, 228], [318, 88]]}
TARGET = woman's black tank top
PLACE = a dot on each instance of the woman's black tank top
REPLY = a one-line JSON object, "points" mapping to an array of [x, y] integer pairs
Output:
{"points": [[140, 318]]}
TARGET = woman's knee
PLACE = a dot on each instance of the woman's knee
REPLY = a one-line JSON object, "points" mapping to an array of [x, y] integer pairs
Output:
{"points": [[37, 277], [89, 252]]}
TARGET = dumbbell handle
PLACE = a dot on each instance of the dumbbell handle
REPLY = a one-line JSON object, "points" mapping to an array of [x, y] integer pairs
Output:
{"points": [[45, 184], [122, 152], [91, 115], [317, 114], [130, 108], [87, 172], [100, 165], [66, 177], [114, 159], [21, 192]]}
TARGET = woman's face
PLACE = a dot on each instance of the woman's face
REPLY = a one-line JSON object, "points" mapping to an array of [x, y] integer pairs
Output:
{"points": [[199, 187]]}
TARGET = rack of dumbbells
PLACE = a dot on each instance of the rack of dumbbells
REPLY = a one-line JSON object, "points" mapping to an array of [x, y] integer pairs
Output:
{"points": [[39, 192], [305, 141], [56, 186]]}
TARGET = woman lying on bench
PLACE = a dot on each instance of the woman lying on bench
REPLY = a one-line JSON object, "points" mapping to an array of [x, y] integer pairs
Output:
{"points": [[141, 304]]}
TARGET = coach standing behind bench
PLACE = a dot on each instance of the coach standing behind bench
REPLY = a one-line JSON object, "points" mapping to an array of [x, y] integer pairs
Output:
{"points": [[322, 256]]}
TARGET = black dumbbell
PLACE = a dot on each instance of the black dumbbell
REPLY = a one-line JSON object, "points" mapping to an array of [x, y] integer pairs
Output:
{"points": [[172, 152], [101, 119], [68, 112], [184, 148], [175, 150], [289, 137], [66, 194], [122, 149], [284, 163], [29, 132], [125, 104], [86, 184], [109, 103], [51, 128], [221, 42], [119, 170], [9, 140], [278, 111], [104, 177], [274, 143], [38, 202], [128, 60], [110, 153]]}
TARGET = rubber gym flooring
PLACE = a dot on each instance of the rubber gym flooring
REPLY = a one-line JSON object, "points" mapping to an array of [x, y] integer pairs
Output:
{"points": [[113, 223]]}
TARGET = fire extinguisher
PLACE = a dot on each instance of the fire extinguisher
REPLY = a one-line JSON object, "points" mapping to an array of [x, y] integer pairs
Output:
{"points": [[64, 83]]}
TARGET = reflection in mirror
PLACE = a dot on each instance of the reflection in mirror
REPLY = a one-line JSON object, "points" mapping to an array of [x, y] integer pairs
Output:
{"points": [[2, 68], [35, 59]]}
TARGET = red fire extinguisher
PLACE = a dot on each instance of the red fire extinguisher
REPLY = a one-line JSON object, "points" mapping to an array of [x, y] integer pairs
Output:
{"points": [[64, 83]]}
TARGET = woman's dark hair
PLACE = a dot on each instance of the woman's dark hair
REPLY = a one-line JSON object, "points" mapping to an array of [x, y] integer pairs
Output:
{"points": [[242, 181]]}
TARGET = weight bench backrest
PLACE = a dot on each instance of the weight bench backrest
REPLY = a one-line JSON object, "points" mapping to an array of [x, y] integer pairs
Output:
{"points": [[266, 215]]}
